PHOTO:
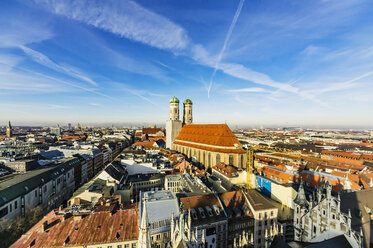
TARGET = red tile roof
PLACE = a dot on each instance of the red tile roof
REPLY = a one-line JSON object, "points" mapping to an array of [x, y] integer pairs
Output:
{"points": [[151, 130], [208, 134], [226, 170], [277, 175], [94, 228], [145, 144]]}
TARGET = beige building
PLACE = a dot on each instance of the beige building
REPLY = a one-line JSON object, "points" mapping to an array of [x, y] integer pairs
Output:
{"points": [[210, 144]]}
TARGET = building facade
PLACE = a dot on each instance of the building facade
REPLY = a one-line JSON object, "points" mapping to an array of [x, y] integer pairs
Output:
{"points": [[319, 217], [47, 187]]}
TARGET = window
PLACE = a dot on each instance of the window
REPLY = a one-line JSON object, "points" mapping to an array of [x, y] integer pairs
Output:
{"points": [[119, 246], [10, 207], [158, 236], [36, 193], [126, 246], [260, 216], [260, 232], [271, 213], [230, 159], [3, 212], [134, 245], [15, 204]]}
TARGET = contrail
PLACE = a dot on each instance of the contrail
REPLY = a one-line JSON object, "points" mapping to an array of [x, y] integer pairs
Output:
{"points": [[227, 37]]}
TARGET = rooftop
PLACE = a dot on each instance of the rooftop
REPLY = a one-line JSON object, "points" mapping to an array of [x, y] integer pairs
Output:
{"points": [[87, 229], [257, 201], [209, 137]]}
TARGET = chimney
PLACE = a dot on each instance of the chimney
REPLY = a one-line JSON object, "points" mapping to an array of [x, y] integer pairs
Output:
{"points": [[44, 226], [77, 217]]}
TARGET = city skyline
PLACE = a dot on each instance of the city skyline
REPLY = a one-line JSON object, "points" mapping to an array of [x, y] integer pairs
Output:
{"points": [[245, 63]]}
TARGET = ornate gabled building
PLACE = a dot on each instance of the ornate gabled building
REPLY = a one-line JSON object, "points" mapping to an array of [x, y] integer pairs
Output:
{"points": [[182, 233], [319, 217]]}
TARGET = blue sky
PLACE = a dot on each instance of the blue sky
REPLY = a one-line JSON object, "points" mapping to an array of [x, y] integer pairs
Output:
{"points": [[251, 63]]}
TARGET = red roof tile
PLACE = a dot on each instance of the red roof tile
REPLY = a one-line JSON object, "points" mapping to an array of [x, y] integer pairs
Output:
{"points": [[208, 134], [94, 228]]}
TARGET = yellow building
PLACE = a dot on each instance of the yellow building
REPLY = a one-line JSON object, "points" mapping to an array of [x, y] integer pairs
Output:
{"points": [[210, 144]]}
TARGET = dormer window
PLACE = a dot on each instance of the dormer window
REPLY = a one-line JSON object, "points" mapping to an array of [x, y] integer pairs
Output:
{"points": [[216, 209], [201, 212], [209, 211], [194, 214]]}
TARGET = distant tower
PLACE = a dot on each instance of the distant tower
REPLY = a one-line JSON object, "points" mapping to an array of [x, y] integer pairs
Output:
{"points": [[9, 130], [173, 125], [188, 113]]}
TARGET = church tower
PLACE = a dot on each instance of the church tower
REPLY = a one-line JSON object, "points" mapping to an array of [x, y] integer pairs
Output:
{"points": [[188, 114], [9, 130], [173, 124]]}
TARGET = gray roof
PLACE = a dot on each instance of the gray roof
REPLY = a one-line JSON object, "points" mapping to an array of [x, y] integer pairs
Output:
{"points": [[360, 203], [339, 241], [116, 171], [15, 185], [159, 205], [51, 154], [257, 201]]}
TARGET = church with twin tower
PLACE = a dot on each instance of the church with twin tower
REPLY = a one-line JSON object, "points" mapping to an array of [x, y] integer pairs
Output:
{"points": [[208, 144]]}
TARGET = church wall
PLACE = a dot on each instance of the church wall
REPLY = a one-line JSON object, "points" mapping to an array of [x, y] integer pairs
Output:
{"points": [[209, 158]]}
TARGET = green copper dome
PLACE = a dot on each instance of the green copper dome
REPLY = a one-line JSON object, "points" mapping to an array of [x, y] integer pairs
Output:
{"points": [[174, 100], [188, 101]]}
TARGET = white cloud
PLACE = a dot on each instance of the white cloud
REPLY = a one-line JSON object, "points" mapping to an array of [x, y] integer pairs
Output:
{"points": [[45, 61], [124, 18], [251, 90], [227, 37], [15, 32]]}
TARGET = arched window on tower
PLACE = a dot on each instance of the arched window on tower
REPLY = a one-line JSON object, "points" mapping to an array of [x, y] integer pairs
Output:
{"points": [[242, 161], [217, 158], [209, 160], [230, 159], [204, 158]]}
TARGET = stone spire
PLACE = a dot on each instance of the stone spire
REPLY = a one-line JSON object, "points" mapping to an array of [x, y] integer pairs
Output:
{"points": [[301, 196], [144, 235], [9, 130]]}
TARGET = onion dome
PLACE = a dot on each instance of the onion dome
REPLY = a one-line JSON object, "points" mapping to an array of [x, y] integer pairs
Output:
{"points": [[174, 100], [188, 101]]}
